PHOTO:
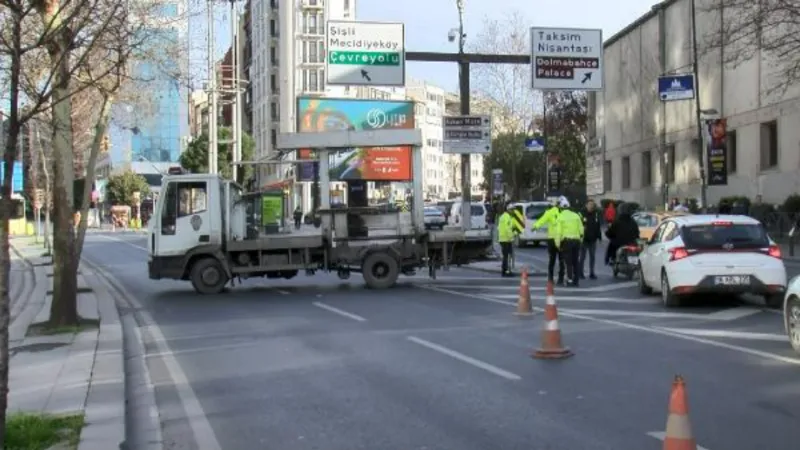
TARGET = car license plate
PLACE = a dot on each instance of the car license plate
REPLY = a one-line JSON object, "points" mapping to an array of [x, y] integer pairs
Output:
{"points": [[633, 260], [732, 280]]}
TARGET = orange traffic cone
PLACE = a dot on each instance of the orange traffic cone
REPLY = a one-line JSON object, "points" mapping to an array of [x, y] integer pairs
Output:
{"points": [[551, 348], [524, 308], [678, 435]]}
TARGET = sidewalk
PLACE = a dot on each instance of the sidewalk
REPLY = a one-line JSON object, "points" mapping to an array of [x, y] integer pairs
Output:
{"points": [[69, 372]]}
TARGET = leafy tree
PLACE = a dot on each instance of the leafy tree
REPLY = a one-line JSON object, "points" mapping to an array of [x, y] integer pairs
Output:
{"points": [[121, 186], [195, 157], [524, 171]]}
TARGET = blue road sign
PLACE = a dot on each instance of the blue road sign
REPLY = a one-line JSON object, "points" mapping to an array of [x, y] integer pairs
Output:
{"points": [[534, 144], [16, 175], [676, 87]]}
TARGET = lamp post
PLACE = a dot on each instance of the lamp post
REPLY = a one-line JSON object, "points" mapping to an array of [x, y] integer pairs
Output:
{"points": [[698, 111]]}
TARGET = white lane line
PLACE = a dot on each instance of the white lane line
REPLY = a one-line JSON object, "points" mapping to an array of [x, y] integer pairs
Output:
{"points": [[464, 358], [734, 313], [560, 298], [660, 435], [284, 292], [195, 415], [746, 335], [651, 314], [339, 312], [647, 329], [113, 239]]}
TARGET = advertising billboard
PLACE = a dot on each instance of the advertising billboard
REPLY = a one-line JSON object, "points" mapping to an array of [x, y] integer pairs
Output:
{"points": [[367, 164]]}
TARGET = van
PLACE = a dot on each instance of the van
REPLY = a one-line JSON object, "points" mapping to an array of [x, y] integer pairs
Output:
{"points": [[479, 218], [531, 212]]}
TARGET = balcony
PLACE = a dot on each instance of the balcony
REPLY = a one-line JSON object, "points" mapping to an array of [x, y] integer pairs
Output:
{"points": [[312, 5]]}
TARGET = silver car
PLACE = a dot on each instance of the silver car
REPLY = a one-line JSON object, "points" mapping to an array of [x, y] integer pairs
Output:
{"points": [[434, 218]]}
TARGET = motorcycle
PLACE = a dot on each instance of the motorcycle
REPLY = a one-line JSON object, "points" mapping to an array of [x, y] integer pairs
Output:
{"points": [[626, 261]]}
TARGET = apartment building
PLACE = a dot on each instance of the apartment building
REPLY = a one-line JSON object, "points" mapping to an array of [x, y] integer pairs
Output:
{"points": [[429, 109], [650, 148]]}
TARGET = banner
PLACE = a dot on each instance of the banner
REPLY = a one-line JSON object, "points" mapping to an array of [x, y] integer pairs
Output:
{"points": [[717, 152], [497, 182], [554, 175], [368, 164]]}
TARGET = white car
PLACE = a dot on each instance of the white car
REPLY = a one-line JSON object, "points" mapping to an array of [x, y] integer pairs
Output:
{"points": [[531, 212], [711, 254], [791, 313], [434, 218]]}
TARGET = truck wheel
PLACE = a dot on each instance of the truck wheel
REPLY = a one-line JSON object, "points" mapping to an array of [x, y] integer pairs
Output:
{"points": [[380, 270], [208, 276]]}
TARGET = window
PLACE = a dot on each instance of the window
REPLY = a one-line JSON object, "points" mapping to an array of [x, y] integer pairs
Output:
{"points": [[626, 172], [273, 28], [313, 54], [313, 81], [273, 83], [273, 55], [321, 51], [273, 111], [181, 200], [273, 137], [312, 24], [647, 169], [533, 212], [645, 220], [722, 235], [769, 145], [730, 140], [669, 154], [607, 176]]}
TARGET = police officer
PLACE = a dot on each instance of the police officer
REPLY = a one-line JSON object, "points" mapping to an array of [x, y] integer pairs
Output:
{"points": [[505, 235], [569, 234], [549, 219]]}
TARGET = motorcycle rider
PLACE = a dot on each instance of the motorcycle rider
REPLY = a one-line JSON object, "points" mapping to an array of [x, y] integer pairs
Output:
{"points": [[623, 231]]}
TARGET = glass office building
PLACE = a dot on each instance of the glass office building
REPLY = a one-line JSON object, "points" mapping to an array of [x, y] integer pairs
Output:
{"points": [[165, 121]]}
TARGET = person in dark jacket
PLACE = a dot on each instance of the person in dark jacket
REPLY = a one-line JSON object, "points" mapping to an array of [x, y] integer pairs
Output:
{"points": [[624, 231], [592, 221]]}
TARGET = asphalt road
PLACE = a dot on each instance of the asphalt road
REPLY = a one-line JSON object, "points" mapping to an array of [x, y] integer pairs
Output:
{"points": [[317, 363]]}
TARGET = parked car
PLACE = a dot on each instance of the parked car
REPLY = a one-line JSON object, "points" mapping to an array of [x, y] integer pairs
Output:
{"points": [[531, 212], [479, 215], [649, 221], [434, 218], [695, 254], [791, 313]]}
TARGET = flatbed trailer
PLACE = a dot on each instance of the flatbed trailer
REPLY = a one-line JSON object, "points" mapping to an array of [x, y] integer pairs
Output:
{"points": [[200, 231]]}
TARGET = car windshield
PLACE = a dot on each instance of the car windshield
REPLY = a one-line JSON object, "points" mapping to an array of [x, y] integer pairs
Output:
{"points": [[477, 210], [533, 212], [722, 234], [645, 220], [432, 211]]}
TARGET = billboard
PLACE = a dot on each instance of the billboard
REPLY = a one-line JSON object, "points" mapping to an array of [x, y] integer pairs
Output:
{"points": [[367, 164]]}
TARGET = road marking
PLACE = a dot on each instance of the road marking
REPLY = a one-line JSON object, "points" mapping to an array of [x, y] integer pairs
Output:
{"points": [[464, 358], [113, 239], [660, 435], [195, 415], [647, 329], [733, 313], [650, 314], [339, 312], [284, 292], [640, 301], [746, 335], [574, 290]]}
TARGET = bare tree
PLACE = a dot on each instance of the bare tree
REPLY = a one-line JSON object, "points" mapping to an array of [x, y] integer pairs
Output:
{"points": [[745, 30], [506, 86]]}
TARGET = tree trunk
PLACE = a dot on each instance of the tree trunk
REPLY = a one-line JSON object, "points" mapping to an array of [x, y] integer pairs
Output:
{"points": [[63, 310]]}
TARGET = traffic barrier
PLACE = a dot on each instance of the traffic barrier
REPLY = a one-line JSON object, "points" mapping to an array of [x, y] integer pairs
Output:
{"points": [[678, 435], [552, 347], [518, 222], [524, 308]]}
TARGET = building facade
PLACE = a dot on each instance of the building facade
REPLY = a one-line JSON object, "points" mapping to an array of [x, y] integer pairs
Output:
{"points": [[159, 133], [453, 163], [429, 109], [651, 148]]}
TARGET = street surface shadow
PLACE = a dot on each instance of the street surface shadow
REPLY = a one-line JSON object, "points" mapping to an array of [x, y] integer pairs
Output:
{"points": [[36, 348]]}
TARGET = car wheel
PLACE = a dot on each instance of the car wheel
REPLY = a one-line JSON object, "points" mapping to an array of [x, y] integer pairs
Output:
{"points": [[774, 300], [792, 315], [208, 276], [643, 287], [668, 298]]}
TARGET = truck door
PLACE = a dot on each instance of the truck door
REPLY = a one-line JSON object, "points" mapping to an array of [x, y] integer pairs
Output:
{"points": [[184, 221]]}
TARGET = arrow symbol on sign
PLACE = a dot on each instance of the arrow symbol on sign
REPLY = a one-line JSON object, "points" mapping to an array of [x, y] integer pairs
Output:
{"points": [[586, 77], [365, 75]]}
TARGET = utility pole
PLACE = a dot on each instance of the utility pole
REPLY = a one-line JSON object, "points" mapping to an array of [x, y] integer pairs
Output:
{"points": [[212, 93], [698, 112], [464, 60], [662, 129]]}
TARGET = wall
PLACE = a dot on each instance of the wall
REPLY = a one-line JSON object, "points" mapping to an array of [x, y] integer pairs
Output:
{"points": [[630, 116]]}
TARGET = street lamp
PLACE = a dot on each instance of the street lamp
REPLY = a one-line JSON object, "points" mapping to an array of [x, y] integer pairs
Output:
{"points": [[698, 111]]}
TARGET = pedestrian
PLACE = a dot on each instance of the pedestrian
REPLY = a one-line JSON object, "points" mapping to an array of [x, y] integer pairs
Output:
{"points": [[592, 234], [298, 217], [505, 235], [549, 219], [569, 234], [610, 214]]}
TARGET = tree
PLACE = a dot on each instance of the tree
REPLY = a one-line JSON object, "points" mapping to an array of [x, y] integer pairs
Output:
{"points": [[523, 171], [121, 187], [506, 86], [751, 30], [195, 157]]}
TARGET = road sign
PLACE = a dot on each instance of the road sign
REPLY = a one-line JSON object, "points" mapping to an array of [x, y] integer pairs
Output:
{"points": [[676, 87], [468, 134], [535, 144], [365, 53], [497, 182], [567, 59]]}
